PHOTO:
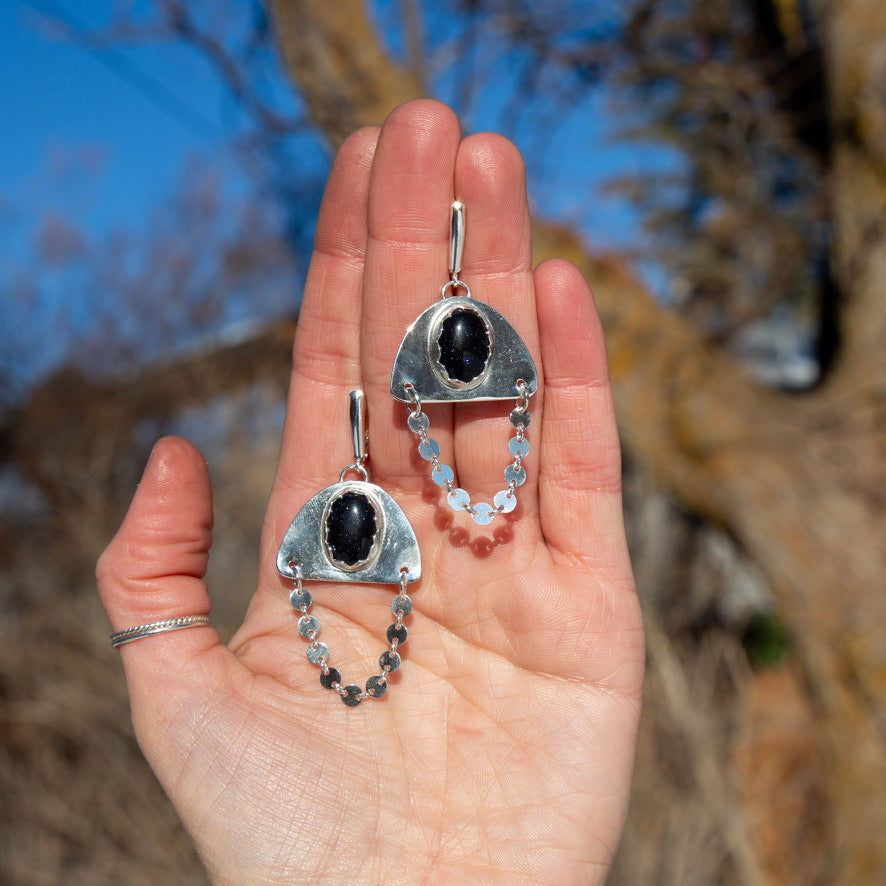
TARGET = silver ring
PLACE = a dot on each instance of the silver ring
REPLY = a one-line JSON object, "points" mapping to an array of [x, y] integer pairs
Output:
{"points": [[118, 638]]}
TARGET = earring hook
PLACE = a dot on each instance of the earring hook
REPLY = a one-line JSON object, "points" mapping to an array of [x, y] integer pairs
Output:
{"points": [[359, 435], [456, 239]]}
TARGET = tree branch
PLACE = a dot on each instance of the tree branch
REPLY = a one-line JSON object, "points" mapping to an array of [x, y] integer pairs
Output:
{"points": [[346, 77]]}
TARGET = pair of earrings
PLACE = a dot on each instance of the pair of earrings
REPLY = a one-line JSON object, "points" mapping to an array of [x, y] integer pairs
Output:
{"points": [[458, 349]]}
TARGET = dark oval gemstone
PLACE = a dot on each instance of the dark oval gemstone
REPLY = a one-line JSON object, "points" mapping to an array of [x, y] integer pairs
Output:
{"points": [[464, 345], [351, 528]]}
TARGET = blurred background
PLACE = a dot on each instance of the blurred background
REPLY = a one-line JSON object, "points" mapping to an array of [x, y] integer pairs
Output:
{"points": [[718, 170]]}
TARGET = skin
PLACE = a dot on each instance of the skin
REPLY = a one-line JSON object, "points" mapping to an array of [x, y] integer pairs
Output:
{"points": [[503, 750]]}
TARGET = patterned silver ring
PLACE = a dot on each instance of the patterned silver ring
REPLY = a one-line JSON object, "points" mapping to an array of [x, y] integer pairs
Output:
{"points": [[157, 627]]}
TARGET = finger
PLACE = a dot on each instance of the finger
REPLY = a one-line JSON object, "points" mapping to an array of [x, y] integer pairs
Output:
{"points": [[406, 262], [580, 461], [316, 440], [153, 568], [490, 181]]}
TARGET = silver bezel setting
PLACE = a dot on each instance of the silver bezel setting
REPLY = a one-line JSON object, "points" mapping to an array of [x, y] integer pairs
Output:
{"points": [[416, 362], [444, 311], [303, 553], [377, 542]]}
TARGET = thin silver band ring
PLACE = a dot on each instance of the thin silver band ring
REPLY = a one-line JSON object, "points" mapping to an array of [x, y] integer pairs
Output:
{"points": [[157, 627]]}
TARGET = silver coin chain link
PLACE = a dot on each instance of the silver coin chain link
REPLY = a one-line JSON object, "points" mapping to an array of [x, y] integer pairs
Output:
{"points": [[318, 653], [442, 474]]}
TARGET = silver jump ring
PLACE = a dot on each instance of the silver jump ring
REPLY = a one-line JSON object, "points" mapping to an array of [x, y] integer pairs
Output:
{"points": [[523, 396], [357, 466], [454, 284], [118, 638], [412, 396]]}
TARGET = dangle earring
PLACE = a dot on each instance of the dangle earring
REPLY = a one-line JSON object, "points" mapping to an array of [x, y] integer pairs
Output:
{"points": [[463, 349], [351, 531]]}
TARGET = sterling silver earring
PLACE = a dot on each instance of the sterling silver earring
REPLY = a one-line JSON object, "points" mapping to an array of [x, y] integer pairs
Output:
{"points": [[462, 349], [352, 531]]}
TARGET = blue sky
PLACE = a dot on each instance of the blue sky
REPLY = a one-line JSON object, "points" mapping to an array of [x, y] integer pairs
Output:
{"points": [[99, 137], [80, 135], [123, 119]]}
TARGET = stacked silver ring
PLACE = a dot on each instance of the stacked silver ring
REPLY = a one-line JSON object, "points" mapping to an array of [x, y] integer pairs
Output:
{"points": [[157, 627]]}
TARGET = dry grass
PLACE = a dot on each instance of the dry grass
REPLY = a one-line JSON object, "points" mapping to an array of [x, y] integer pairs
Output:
{"points": [[79, 804], [727, 782]]}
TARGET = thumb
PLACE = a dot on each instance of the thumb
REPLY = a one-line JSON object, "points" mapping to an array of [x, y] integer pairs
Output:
{"points": [[153, 568]]}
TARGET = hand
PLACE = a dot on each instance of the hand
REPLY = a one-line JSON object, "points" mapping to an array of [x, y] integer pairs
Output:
{"points": [[503, 750]]}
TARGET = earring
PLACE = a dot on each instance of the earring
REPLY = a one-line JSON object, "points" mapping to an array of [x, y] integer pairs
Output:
{"points": [[462, 349], [352, 531]]}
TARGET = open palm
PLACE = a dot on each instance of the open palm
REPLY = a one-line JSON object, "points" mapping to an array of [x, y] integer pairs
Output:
{"points": [[503, 749]]}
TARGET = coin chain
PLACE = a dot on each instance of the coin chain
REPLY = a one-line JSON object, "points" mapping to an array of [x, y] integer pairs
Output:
{"points": [[442, 474], [318, 653]]}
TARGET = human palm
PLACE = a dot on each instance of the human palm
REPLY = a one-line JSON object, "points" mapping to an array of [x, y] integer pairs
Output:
{"points": [[503, 749]]}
